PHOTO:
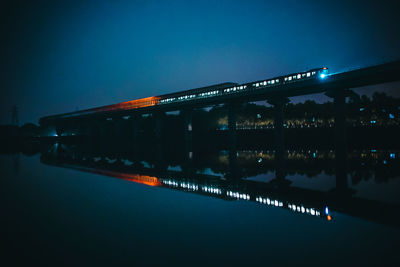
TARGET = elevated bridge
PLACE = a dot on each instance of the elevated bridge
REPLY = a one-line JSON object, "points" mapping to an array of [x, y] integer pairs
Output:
{"points": [[239, 93]]}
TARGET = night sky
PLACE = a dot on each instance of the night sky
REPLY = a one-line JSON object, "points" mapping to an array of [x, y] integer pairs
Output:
{"points": [[57, 57]]}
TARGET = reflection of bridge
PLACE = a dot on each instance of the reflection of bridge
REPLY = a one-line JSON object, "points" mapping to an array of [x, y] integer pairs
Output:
{"points": [[276, 193]]}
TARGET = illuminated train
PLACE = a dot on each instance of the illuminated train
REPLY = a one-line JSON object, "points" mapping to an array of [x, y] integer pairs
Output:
{"points": [[199, 93], [231, 88]]}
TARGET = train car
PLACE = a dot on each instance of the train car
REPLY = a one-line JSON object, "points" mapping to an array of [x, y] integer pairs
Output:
{"points": [[319, 73], [202, 92], [230, 88], [133, 104]]}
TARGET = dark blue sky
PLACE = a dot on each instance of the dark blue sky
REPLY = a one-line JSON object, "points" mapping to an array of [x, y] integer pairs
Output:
{"points": [[56, 57]]}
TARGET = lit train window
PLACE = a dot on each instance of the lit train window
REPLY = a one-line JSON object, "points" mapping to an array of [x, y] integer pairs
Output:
{"points": [[285, 78], [277, 80], [257, 84], [308, 74], [290, 78], [298, 76], [272, 81]]}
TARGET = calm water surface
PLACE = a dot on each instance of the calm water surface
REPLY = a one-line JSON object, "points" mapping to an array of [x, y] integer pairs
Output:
{"points": [[76, 210]]}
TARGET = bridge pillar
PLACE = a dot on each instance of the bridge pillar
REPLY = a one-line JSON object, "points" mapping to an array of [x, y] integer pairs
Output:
{"points": [[135, 127], [339, 102], [60, 129], [118, 123], [103, 125], [76, 128], [158, 125], [279, 104], [97, 128], [232, 120], [91, 129], [85, 128], [187, 115]]}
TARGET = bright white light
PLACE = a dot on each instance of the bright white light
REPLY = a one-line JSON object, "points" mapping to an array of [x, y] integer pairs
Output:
{"points": [[322, 75]]}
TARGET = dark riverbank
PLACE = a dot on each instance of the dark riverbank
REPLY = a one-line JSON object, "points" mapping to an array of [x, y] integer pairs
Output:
{"points": [[322, 138]]}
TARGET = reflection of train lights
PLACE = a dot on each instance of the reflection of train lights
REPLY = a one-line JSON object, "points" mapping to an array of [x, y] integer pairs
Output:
{"points": [[238, 195], [269, 201], [326, 210], [189, 186], [293, 207], [212, 190], [184, 185], [302, 209], [170, 183]]}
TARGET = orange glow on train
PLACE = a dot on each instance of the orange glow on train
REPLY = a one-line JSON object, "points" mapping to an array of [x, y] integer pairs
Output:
{"points": [[137, 178], [133, 104], [141, 179], [138, 103], [131, 177]]}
